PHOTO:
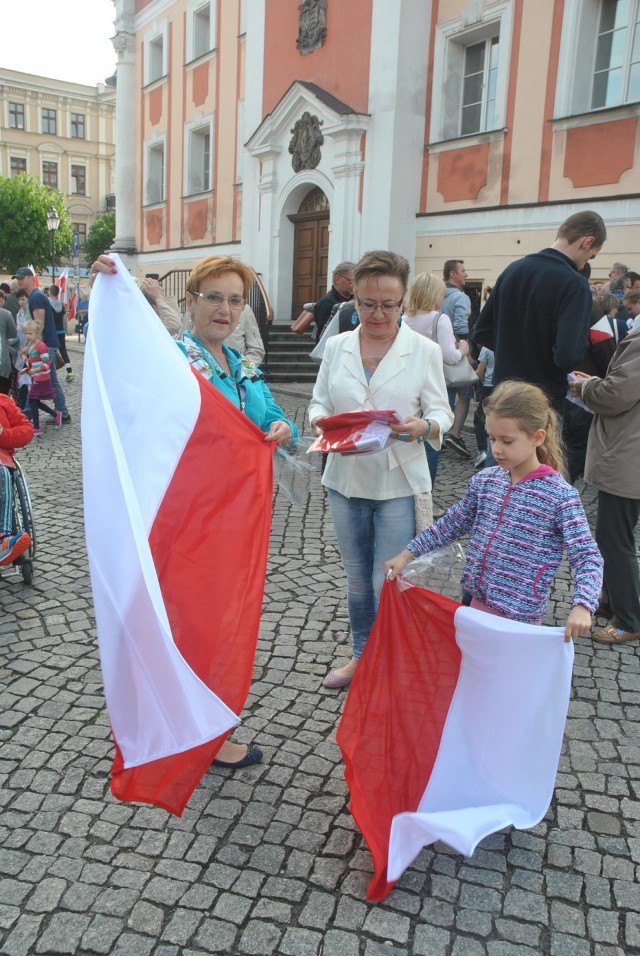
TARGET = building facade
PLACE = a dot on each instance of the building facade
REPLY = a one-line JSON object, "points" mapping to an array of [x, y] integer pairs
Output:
{"points": [[298, 135], [63, 134]]}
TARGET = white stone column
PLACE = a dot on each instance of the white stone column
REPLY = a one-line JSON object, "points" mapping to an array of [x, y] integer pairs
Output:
{"points": [[126, 209], [395, 139]]}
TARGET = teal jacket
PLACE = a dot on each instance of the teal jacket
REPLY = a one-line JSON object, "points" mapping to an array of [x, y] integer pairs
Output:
{"points": [[245, 387]]}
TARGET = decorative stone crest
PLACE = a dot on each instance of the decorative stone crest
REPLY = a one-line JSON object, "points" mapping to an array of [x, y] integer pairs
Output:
{"points": [[312, 29], [306, 142]]}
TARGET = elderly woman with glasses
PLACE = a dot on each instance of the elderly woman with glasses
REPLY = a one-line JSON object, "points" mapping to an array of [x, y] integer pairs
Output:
{"points": [[381, 364], [216, 293]]}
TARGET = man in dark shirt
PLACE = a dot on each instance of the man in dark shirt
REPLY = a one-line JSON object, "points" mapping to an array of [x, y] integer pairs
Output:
{"points": [[340, 291], [42, 313], [537, 318]]}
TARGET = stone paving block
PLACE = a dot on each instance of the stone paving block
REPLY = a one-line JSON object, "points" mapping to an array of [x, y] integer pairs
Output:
{"points": [[146, 918], [101, 934], [563, 945], [23, 935], [259, 939], [63, 933], [216, 936]]}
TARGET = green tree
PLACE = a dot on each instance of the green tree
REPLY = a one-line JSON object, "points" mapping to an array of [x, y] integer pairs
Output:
{"points": [[100, 236], [24, 237]]}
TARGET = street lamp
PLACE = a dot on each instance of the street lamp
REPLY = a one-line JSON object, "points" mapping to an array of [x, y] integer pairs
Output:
{"points": [[53, 221]]}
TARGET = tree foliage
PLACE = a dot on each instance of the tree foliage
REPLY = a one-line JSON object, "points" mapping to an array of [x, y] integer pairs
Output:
{"points": [[24, 237], [100, 235]]}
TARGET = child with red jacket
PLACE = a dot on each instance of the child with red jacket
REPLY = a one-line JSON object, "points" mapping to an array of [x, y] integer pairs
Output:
{"points": [[15, 431]]}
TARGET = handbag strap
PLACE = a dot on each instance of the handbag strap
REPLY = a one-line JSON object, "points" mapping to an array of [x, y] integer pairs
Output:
{"points": [[434, 328]]}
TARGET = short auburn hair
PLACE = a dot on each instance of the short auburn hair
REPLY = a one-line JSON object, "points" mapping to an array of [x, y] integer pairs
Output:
{"points": [[217, 265]]}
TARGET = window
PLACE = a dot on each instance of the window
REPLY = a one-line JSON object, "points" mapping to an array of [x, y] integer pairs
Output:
{"points": [[616, 75], [201, 37], [199, 171], [78, 180], [81, 229], [479, 86], [156, 59], [50, 175], [77, 125], [599, 65], [49, 124], [154, 191], [472, 51], [16, 115], [17, 165]]}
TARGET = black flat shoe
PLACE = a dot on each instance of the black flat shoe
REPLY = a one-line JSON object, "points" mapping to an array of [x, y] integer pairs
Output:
{"points": [[253, 755]]}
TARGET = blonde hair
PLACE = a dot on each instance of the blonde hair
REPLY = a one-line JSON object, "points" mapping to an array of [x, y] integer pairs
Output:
{"points": [[30, 326], [529, 406], [217, 265], [426, 293]]}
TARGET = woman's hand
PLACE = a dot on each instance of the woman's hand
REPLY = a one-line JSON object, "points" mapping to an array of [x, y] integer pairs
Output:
{"points": [[578, 622], [463, 346], [413, 428], [279, 432], [316, 427], [103, 264], [394, 566]]}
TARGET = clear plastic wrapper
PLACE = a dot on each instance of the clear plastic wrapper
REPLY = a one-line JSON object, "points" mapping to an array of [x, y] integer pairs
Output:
{"points": [[439, 571], [295, 472]]}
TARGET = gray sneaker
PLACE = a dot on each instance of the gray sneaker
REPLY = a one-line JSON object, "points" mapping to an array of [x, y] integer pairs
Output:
{"points": [[480, 460]]}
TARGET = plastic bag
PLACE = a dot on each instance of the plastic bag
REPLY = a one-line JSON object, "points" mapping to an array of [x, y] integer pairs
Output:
{"points": [[439, 571], [294, 472]]}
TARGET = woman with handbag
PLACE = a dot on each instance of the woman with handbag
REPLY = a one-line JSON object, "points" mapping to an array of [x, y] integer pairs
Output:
{"points": [[38, 365], [382, 364], [423, 315]]}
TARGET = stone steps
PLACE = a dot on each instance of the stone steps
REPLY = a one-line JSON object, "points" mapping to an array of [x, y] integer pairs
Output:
{"points": [[288, 356]]}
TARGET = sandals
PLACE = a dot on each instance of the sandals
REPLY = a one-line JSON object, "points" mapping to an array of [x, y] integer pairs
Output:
{"points": [[252, 756], [611, 635]]}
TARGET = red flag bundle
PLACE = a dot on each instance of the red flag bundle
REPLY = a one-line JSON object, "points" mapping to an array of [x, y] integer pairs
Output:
{"points": [[356, 433], [452, 727], [177, 487]]}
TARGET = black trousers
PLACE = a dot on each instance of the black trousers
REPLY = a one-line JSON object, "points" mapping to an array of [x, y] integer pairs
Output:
{"points": [[615, 527]]}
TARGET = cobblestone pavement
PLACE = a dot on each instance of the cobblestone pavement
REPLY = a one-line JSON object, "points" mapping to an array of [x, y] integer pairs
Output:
{"points": [[267, 859]]}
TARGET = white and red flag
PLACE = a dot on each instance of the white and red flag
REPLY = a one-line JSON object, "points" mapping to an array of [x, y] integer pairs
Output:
{"points": [[62, 281], [36, 281], [177, 489], [452, 728]]}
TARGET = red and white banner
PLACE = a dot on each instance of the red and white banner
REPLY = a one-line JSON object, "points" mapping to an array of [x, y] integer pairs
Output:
{"points": [[177, 489], [73, 305], [36, 281], [62, 281], [452, 728]]}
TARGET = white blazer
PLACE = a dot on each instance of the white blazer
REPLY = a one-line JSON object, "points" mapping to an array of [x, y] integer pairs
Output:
{"points": [[409, 380]]}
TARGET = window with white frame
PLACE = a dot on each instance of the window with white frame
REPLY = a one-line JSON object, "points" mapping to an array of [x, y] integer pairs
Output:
{"points": [[17, 166], [50, 174], [199, 160], [471, 57], [201, 27], [154, 178], [156, 47], [616, 75], [78, 180], [599, 65]]}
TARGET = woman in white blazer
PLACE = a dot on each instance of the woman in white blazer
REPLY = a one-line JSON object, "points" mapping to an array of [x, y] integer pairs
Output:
{"points": [[381, 364]]}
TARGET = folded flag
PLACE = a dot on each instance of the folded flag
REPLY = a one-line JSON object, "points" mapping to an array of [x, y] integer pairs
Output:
{"points": [[355, 433], [601, 330], [177, 489], [452, 728]]}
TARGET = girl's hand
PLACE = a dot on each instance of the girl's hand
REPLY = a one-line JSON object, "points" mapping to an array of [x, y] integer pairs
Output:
{"points": [[394, 566], [578, 622], [279, 432]]}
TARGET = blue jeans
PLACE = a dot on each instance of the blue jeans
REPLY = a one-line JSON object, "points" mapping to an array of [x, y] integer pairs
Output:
{"points": [[433, 457], [58, 399], [369, 532]]}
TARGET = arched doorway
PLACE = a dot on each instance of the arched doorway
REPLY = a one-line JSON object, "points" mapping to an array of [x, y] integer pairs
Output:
{"points": [[310, 250]]}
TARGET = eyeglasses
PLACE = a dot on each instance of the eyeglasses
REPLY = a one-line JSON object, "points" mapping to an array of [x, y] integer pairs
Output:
{"points": [[236, 302], [389, 308]]}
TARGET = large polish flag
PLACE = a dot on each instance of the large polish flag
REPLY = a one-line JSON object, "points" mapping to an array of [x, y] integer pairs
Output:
{"points": [[177, 489], [452, 728]]}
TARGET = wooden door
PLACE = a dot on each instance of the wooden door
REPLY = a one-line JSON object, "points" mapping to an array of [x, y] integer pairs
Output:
{"points": [[310, 258]]}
